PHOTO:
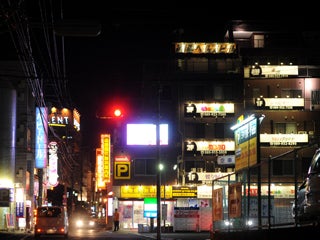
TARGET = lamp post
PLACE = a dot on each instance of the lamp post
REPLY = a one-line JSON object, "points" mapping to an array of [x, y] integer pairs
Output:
{"points": [[158, 171], [159, 200]]}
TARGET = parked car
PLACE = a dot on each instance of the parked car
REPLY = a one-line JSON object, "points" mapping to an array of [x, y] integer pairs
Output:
{"points": [[307, 205], [81, 218]]}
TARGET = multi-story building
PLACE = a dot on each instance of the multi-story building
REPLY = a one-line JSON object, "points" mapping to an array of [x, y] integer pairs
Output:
{"points": [[259, 71], [281, 83], [26, 98]]}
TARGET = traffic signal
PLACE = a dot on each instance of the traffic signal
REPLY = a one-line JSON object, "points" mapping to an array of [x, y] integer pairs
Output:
{"points": [[117, 112]]}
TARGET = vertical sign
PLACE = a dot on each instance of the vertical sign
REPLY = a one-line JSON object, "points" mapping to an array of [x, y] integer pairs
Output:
{"points": [[99, 169], [246, 142], [53, 164], [41, 137], [234, 200], [105, 147], [217, 204]]}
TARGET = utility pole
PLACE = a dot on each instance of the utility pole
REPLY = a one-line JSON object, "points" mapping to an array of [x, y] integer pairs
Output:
{"points": [[158, 171]]}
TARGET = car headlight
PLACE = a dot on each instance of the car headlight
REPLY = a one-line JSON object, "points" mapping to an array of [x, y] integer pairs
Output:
{"points": [[91, 223], [79, 223]]}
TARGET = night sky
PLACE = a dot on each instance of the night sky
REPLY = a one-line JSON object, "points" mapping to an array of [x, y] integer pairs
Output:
{"points": [[106, 67]]}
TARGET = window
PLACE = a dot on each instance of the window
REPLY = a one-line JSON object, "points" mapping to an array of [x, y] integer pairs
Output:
{"points": [[219, 130], [194, 92], [145, 167], [285, 128], [200, 130], [291, 93], [224, 92], [315, 97], [258, 41], [256, 92], [49, 212], [282, 167]]}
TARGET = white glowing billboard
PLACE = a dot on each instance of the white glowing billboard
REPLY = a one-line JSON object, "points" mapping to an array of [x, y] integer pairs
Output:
{"points": [[145, 134]]}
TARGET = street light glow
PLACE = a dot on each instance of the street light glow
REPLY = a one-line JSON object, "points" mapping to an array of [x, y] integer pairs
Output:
{"points": [[161, 167]]}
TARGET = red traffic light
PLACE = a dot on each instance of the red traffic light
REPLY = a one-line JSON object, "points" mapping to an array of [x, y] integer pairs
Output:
{"points": [[117, 113]]}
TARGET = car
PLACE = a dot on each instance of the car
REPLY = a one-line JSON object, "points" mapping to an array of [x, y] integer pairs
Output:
{"points": [[306, 207], [51, 221], [81, 218]]}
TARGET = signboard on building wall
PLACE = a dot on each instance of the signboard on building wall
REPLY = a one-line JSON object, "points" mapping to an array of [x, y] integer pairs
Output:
{"points": [[41, 140], [184, 192], [59, 117], [271, 71], [205, 48], [99, 170], [53, 164], [208, 109], [209, 147], [105, 151], [246, 141], [144, 191], [284, 139], [279, 103], [122, 166], [76, 120]]}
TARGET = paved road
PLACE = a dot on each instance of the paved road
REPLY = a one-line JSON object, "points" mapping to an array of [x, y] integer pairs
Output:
{"points": [[110, 235]]}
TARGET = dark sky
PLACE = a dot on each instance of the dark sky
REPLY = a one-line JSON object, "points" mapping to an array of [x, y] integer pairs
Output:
{"points": [[107, 68]]}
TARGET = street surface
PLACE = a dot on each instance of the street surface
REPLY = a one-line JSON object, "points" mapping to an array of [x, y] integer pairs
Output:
{"points": [[110, 235]]}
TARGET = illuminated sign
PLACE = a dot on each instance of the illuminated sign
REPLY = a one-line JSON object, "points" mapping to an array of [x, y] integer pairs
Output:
{"points": [[145, 134], [209, 147], [41, 144], [184, 192], [271, 71], [283, 139], [121, 170], [76, 120], [207, 177], [150, 208], [279, 103], [226, 160], [208, 109], [59, 117], [144, 191], [53, 164], [105, 151], [99, 169], [205, 48], [246, 141]]}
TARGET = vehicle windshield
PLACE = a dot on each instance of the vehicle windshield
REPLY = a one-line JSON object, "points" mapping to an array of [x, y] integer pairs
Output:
{"points": [[315, 163], [49, 212]]}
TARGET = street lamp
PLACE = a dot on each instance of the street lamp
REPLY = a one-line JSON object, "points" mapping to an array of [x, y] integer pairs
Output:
{"points": [[176, 168]]}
